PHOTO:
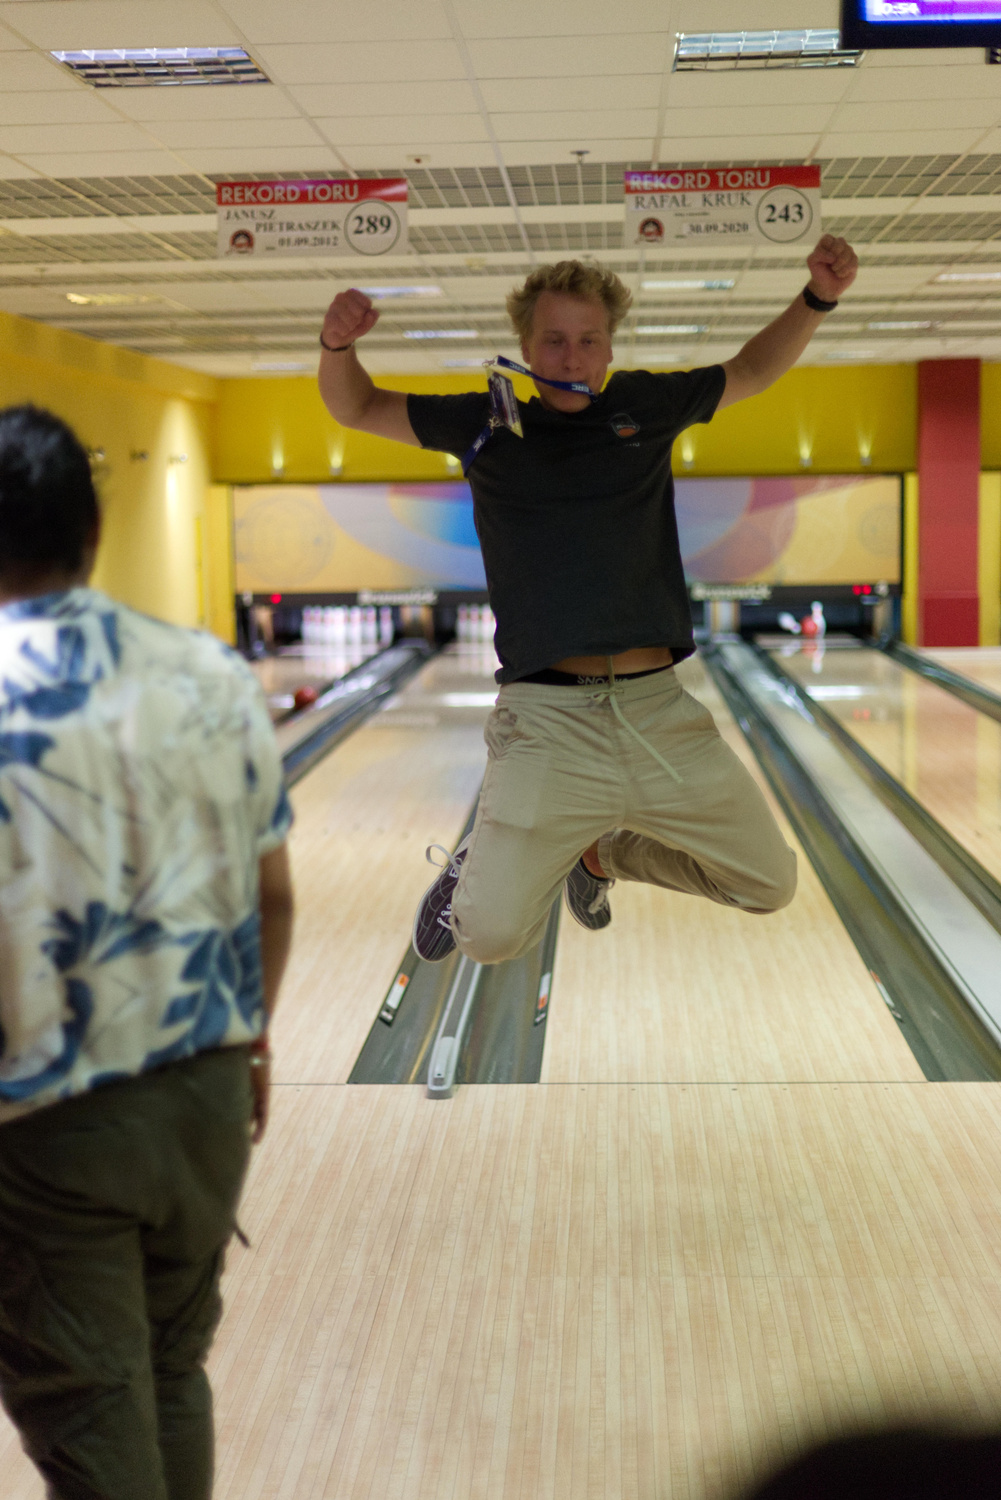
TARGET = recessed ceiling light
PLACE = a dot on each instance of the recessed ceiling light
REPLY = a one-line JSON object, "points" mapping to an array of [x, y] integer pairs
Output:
{"points": [[440, 333], [661, 328], [107, 299], [141, 67], [968, 276], [687, 286], [378, 292], [711, 50], [902, 323]]}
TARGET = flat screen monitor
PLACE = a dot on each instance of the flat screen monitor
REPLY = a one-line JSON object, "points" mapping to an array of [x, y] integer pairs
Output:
{"points": [[871, 24]]}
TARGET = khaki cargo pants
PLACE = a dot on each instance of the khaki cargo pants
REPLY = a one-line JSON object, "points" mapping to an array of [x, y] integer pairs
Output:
{"points": [[674, 807], [115, 1210]]}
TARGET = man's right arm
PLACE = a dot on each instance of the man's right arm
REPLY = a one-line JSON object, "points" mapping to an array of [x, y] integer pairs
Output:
{"points": [[348, 391]]}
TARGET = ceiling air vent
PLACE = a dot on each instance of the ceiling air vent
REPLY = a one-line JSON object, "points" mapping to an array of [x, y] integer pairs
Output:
{"points": [[711, 51], [143, 67]]}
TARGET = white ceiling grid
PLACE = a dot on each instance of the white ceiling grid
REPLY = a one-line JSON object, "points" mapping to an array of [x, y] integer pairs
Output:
{"points": [[110, 193]]}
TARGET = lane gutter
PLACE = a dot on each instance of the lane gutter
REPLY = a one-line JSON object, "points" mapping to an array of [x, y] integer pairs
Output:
{"points": [[973, 693], [949, 1036]]}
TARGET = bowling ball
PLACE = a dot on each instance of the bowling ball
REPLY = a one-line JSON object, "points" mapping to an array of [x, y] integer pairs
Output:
{"points": [[808, 626], [305, 697]]}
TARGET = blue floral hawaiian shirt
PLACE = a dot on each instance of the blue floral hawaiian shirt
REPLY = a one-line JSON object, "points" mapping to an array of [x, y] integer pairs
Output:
{"points": [[140, 783]]}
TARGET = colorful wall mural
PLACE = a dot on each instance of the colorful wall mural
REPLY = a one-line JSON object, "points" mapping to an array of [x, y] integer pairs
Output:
{"points": [[338, 538]]}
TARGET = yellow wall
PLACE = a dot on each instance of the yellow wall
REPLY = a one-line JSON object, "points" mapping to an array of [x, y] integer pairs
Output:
{"points": [[154, 544], [279, 428], [989, 559], [167, 543]]}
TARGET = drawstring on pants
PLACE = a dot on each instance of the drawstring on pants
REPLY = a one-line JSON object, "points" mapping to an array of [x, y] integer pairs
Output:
{"points": [[610, 694]]}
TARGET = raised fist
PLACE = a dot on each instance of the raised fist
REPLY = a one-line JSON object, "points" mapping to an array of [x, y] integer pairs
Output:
{"points": [[833, 267], [349, 317]]}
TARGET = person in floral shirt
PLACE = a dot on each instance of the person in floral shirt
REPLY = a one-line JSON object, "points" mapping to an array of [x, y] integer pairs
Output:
{"points": [[145, 918]]}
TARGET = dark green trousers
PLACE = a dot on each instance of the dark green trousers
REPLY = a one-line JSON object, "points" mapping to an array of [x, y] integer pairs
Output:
{"points": [[115, 1210]]}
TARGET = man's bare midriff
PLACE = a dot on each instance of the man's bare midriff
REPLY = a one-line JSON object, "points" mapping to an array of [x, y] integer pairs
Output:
{"points": [[639, 659]]}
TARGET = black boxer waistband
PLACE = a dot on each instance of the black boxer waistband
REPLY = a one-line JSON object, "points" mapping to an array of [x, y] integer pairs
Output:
{"points": [[552, 678]]}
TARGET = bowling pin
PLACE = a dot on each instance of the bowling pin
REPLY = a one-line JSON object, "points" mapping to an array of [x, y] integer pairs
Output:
{"points": [[817, 614], [385, 627], [354, 626]]}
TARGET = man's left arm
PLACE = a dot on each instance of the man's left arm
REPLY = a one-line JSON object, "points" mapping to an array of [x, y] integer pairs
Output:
{"points": [[833, 267]]}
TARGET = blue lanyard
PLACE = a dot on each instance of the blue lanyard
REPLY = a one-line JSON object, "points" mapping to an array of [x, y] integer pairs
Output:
{"points": [[496, 418], [577, 386]]}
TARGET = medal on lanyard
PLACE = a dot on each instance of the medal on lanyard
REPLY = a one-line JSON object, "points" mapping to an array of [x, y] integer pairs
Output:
{"points": [[504, 404]]}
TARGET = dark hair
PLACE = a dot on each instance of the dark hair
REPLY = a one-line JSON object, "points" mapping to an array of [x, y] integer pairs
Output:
{"points": [[894, 1465], [48, 508]]}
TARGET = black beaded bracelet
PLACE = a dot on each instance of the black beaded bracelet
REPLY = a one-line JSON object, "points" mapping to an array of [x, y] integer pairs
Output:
{"points": [[334, 348], [815, 303]]}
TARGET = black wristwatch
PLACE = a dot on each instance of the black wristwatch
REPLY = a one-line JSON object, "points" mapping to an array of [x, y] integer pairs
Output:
{"points": [[815, 303]]}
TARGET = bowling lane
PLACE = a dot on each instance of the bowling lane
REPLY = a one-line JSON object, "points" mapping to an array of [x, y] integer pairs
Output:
{"points": [[681, 990], [305, 666], [364, 816], [946, 753], [982, 664]]}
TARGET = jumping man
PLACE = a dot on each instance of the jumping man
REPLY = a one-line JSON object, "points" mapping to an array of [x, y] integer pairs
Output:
{"points": [[600, 766]]}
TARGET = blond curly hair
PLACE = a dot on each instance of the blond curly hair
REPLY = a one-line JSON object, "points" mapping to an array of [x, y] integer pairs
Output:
{"points": [[576, 279]]}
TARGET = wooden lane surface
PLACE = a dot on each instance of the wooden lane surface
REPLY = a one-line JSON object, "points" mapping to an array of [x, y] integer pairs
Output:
{"points": [[681, 989], [980, 663], [600, 1292], [364, 817], [947, 754]]}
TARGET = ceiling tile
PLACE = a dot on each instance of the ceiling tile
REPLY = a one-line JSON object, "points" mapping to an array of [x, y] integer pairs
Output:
{"points": [[56, 107], [448, 96], [622, 91], [418, 130], [22, 71], [256, 159], [755, 87], [568, 125], [361, 62], [54, 24], [886, 85], [726, 148], [9, 42], [180, 134], [731, 15], [531, 153], [529, 19], [101, 163], [896, 142], [394, 156], [257, 102], [784, 119], [925, 57], [115, 136], [924, 115], [313, 21], [11, 170], [560, 57]]}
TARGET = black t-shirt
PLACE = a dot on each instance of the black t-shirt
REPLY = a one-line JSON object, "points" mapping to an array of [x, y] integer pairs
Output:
{"points": [[576, 519]]}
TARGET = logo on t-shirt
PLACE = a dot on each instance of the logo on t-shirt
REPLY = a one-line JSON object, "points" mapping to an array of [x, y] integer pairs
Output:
{"points": [[623, 425]]}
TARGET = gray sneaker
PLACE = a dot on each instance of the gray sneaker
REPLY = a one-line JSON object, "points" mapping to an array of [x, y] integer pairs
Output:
{"points": [[433, 937], [587, 897]]}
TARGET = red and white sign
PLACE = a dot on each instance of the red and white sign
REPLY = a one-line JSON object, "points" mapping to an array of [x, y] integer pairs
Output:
{"points": [[720, 205], [348, 216]]}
